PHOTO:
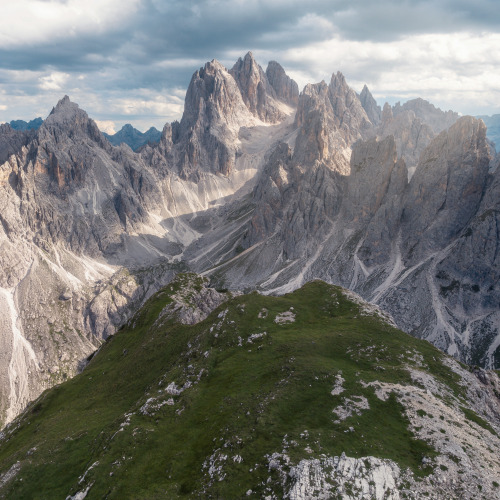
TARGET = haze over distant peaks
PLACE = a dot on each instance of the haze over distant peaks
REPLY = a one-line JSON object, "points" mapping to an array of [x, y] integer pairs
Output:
{"points": [[133, 137], [22, 125]]}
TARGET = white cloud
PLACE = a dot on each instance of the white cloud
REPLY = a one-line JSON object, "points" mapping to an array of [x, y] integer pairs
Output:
{"points": [[457, 70], [25, 22], [54, 81], [3, 107], [107, 126], [149, 103]]}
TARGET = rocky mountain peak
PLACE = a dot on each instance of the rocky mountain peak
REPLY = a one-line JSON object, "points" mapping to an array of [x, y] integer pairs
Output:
{"points": [[347, 108], [286, 89], [370, 106], [214, 111], [214, 94], [411, 133], [332, 119], [64, 111], [249, 75], [257, 92], [387, 115], [434, 117], [67, 119], [5, 128]]}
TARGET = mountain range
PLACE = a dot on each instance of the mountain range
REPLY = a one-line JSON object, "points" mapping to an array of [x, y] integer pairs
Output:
{"points": [[133, 137], [259, 187]]}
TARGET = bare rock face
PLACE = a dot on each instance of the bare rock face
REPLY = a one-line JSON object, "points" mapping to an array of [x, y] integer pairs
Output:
{"points": [[330, 119], [11, 141], [213, 113], [192, 299], [428, 245], [256, 90], [414, 125], [426, 112], [412, 135], [219, 103], [68, 200], [347, 108], [285, 88], [370, 105], [372, 198], [372, 163], [468, 279], [299, 193], [445, 192]]}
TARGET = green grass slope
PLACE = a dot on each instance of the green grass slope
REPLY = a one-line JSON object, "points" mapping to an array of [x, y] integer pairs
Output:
{"points": [[166, 410]]}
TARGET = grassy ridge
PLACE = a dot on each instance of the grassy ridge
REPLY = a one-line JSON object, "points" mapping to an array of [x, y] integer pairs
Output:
{"points": [[247, 400]]}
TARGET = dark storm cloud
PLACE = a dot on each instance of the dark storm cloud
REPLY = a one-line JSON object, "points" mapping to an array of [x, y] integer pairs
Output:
{"points": [[390, 20], [207, 28]]}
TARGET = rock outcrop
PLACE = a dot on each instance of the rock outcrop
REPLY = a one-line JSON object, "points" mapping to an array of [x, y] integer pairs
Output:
{"points": [[411, 134], [445, 192], [285, 88], [370, 105], [427, 113]]}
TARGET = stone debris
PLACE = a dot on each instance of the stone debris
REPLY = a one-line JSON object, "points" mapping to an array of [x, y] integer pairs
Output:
{"points": [[81, 494], [81, 479], [152, 405], [285, 317], [255, 336], [338, 389], [351, 406], [173, 389], [343, 477], [215, 465], [194, 301], [10, 474], [368, 309]]}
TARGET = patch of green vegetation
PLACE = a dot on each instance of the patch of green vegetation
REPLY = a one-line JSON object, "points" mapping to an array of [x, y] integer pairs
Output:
{"points": [[474, 417], [251, 387]]}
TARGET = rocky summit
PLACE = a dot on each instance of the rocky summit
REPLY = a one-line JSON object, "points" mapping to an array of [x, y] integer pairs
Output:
{"points": [[258, 187]]}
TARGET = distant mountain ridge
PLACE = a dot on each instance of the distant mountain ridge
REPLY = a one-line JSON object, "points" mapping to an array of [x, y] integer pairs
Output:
{"points": [[493, 124], [22, 125], [133, 137]]}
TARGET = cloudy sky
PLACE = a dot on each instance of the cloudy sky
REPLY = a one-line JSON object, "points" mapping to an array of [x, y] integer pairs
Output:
{"points": [[130, 61]]}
